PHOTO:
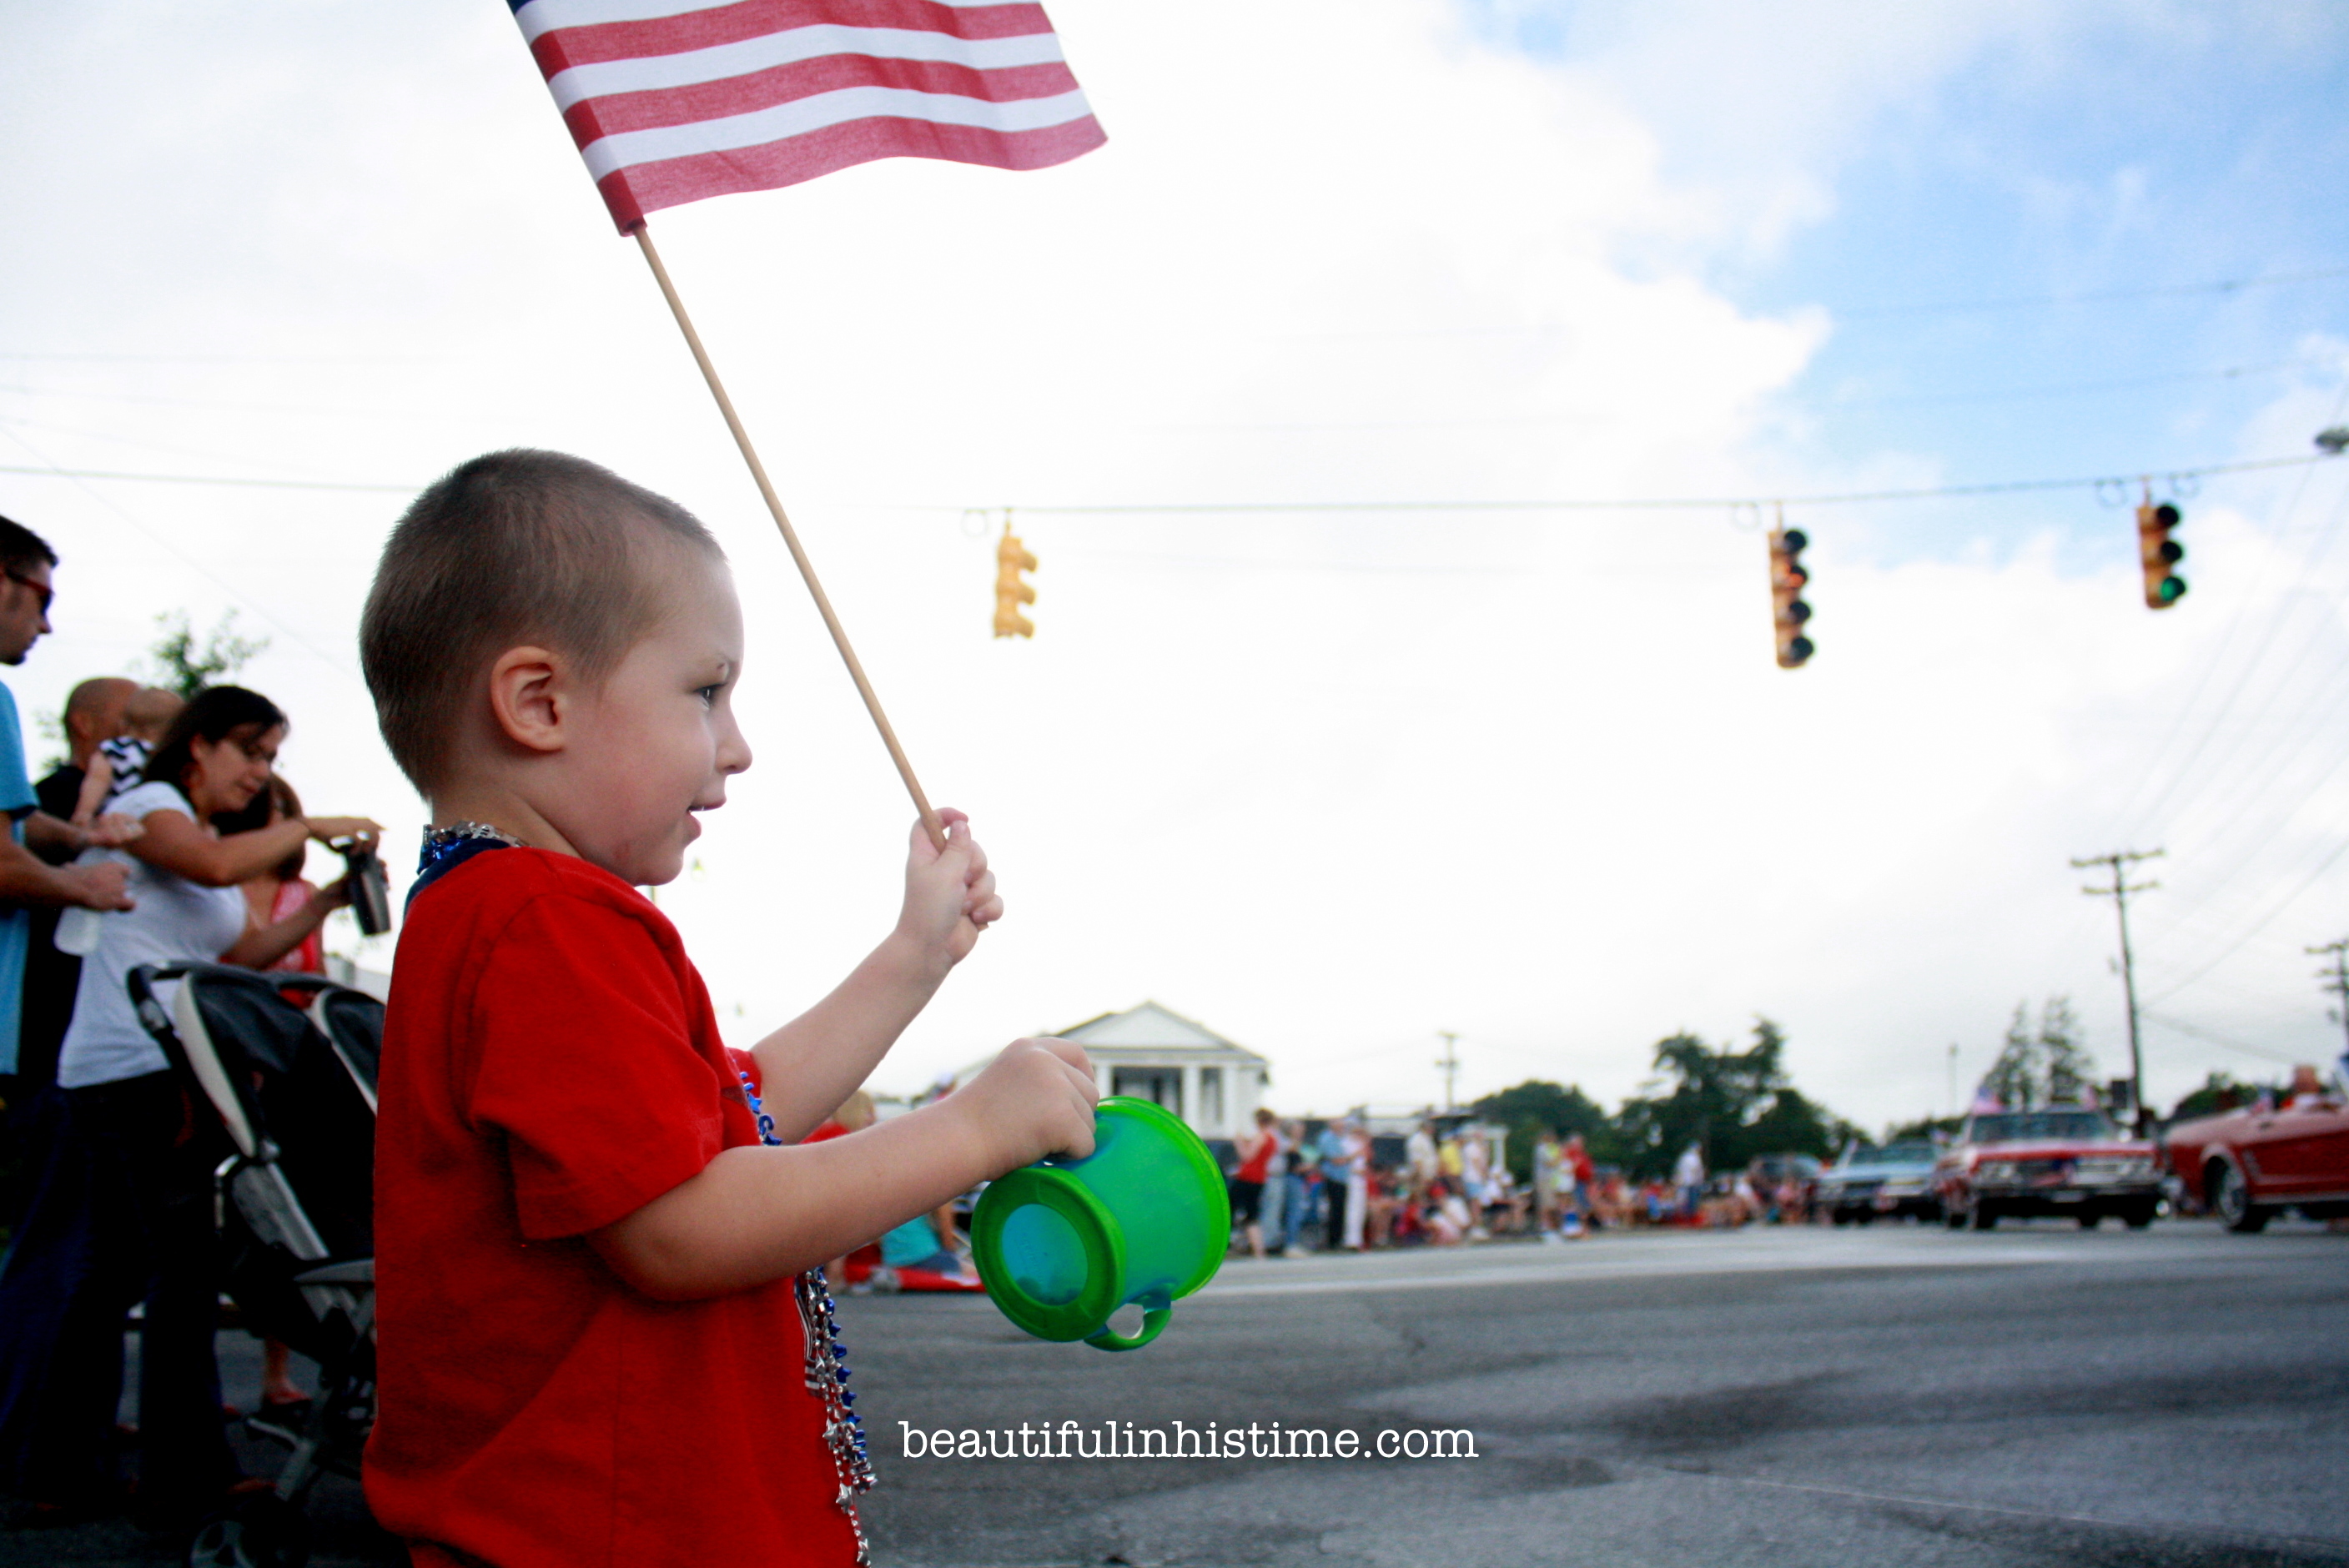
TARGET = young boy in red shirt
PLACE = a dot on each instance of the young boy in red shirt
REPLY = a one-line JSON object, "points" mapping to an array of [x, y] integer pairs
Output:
{"points": [[594, 1348]]}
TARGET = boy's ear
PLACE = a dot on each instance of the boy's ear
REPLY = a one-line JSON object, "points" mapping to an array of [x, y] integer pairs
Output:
{"points": [[530, 693]]}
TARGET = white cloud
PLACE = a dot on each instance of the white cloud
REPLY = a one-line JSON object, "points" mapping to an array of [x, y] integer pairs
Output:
{"points": [[1550, 793]]}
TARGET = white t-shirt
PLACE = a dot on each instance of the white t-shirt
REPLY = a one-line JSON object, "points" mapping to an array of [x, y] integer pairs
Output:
{"points": [[176, 920]]}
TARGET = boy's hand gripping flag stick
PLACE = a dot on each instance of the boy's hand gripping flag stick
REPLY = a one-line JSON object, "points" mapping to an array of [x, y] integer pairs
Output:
{"points": [[671, 102]]}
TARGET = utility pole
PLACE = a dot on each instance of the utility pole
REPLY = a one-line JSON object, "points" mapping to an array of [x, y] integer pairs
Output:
{"points": [[1955, 1108], [2118, 892], [1450, 1063], [2336, 980]]}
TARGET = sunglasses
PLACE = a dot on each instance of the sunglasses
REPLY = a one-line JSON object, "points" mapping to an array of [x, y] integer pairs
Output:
{"points": [[41, 591]]}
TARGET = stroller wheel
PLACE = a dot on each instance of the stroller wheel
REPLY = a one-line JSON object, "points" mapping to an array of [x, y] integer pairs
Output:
{"points": [[262, 1530]]}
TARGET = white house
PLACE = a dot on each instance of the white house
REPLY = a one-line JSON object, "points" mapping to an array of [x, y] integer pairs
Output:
{"points": [[1156, 1054]]}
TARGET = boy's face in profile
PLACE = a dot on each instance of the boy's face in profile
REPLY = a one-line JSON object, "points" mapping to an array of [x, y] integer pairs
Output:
{"points": [[657, 740]]}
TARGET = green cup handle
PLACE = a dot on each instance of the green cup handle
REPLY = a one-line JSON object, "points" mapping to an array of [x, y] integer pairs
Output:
{"points": [[1153, 1318]]}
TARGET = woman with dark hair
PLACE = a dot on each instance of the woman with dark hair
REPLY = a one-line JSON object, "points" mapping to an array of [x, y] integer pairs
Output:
{"points": [[124, 1208], [282, 891]]}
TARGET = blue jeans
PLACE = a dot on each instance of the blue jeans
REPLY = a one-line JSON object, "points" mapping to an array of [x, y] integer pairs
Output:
{"points": [[1297, 1210]]}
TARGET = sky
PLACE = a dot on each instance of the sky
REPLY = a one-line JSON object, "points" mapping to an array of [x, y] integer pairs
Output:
{"points": [[1329, 780]]}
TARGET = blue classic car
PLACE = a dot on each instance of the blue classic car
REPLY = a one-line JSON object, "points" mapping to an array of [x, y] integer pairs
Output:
{"points": [[1870, 1183]]}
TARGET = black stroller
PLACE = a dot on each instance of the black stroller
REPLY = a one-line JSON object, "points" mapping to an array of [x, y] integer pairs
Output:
{"points": [[294, 1086]]}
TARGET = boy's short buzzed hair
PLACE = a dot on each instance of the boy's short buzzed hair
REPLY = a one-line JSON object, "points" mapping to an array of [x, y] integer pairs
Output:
{"points": [[513, 548]]}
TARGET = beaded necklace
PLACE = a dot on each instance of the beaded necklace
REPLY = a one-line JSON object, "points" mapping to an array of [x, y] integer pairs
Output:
{"points": [[827, 1368], [446, 848], [826, 1375]]}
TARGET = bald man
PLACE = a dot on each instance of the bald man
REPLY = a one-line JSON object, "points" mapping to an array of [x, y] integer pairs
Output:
{"points": [[97, 711]]}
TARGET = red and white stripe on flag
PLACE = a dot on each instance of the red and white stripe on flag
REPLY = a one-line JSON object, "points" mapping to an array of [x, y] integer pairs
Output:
{"points": [[673, 100]]}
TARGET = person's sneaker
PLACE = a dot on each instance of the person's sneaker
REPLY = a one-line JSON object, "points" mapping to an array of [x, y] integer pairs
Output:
{"points": [[281, 1419]]}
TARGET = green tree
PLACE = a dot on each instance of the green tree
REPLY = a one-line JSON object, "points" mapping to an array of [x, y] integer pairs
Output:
{"points": [[1922, 1129], [2013, 1078], [182, 665], [1794, 1124], [2219, 1092], [2043, 1066], [1732, 1104], [2071, 1071], [1529, 1106]]}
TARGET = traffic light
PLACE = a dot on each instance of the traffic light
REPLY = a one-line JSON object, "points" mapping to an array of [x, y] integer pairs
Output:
{"points": [[2163, 586], [1787, 578], [1011, 558]]}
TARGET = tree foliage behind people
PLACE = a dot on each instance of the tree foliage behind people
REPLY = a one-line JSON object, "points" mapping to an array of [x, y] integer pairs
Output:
{"points": [[1538, 1103], [183, 665], [2221, 1092], [1925, 1128], [2046, 1066], [1732, 1104]]}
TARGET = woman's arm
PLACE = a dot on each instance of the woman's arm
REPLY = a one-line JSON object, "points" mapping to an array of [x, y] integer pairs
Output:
{"points": [[263, 946], [174, 843]]}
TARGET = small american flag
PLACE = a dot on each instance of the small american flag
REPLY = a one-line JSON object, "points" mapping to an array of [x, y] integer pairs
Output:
{"points": [[674, 100]]}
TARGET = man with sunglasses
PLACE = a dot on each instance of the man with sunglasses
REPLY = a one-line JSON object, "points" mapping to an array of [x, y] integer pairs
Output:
{"points": [[26, 880]]}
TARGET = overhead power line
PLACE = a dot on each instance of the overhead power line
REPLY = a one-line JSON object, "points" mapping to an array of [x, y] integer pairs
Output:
{"points": [[193, 562], [2264, 920], [1633, 503], [1856, 313], [243, 482], [2099, 296], [2199, 1033], [1109, 509], [227, 358]]}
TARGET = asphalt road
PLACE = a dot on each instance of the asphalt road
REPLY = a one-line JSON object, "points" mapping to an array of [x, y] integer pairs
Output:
{"points": [[1909, 1397], [1905, 1396]]}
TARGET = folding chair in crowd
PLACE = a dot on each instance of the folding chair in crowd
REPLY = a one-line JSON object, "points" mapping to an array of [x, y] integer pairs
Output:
{"points": [[287, 1062]]}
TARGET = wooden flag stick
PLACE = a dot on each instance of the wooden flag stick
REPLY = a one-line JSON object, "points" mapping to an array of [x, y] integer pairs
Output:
{"points": [[930, 822]]}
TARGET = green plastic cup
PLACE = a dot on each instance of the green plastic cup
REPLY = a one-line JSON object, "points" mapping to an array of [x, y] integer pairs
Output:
{"points": [[1063, 1244]]}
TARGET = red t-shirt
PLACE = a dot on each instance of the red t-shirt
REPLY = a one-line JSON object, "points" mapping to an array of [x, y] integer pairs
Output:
{"points": [[550, 1065]]}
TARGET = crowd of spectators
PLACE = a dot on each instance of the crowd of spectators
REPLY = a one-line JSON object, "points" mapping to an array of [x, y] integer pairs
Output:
{"points": [[1299, 1186], [164, 836]]}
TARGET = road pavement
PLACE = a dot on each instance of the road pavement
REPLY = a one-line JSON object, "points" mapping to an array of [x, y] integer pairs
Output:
{"points": [[1897, 1396]]}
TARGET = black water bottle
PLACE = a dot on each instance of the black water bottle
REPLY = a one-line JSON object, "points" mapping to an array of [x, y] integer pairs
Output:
{"points": [[370, 896]]}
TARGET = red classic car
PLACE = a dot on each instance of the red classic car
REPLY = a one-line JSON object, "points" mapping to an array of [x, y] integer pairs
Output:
{"points": [[2067, 1160], [2246, 1166]]}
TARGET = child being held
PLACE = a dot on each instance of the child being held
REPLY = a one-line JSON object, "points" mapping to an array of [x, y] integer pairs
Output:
{"points": [[591, 1347], [117, 762]]}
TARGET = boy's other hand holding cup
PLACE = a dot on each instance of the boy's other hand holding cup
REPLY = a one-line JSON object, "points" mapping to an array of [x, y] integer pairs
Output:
{"points": [[1035, 1098], [950, 894]]}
